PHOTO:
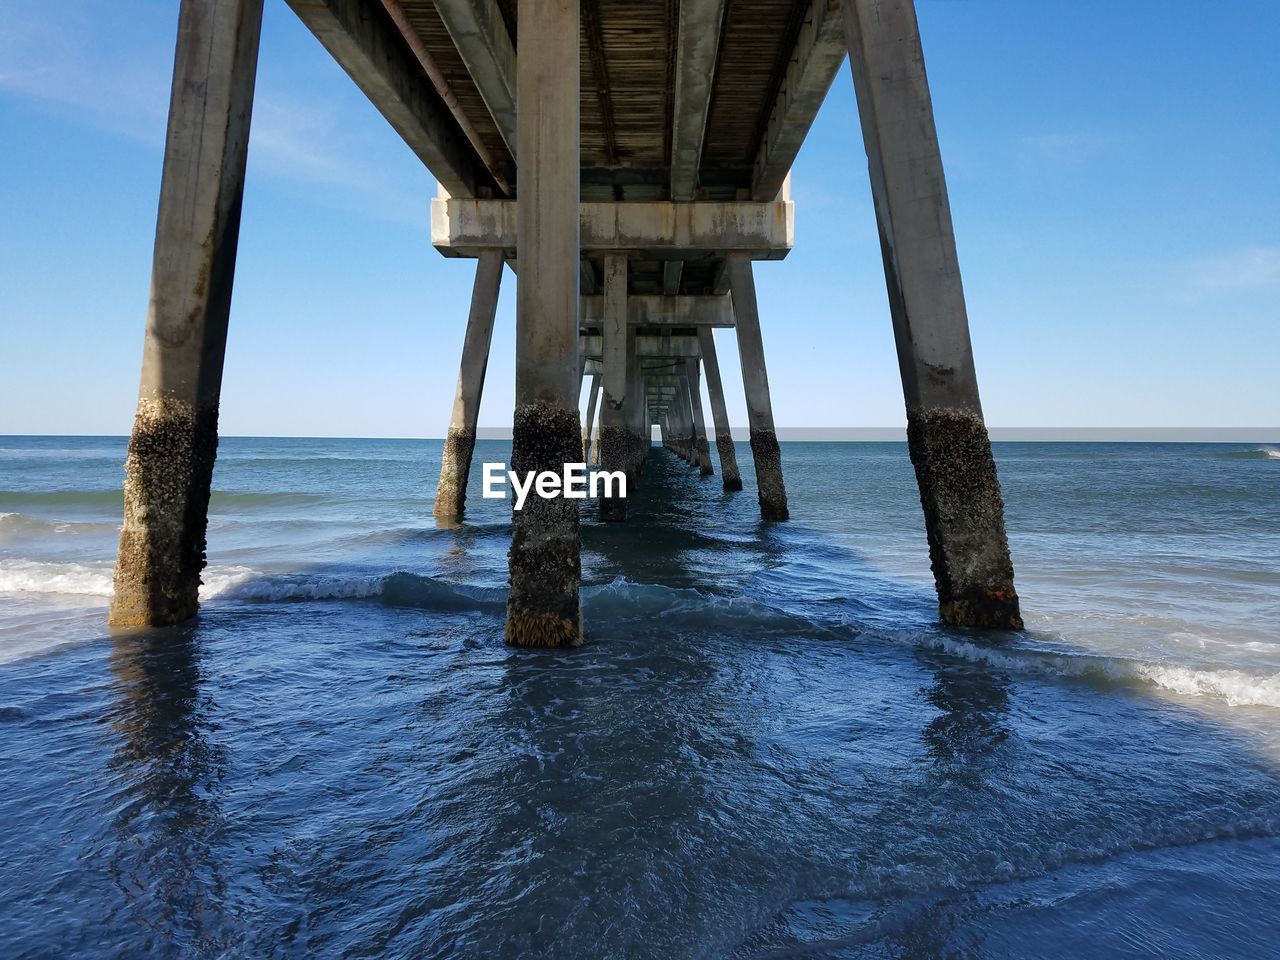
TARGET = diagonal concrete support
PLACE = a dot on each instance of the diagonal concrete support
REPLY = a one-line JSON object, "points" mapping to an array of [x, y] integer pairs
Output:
{"points": [[613, 414], [545, 564], [169, 467], [947, 438], [455, 463], [591, 417], [719, 412], [755, 379], [701, 450]]}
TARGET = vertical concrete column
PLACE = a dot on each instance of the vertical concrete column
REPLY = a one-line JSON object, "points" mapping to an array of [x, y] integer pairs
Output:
{"points": [[591, 416], [686, 420], [613, 414], [169, 466], [545, 563], [947, 437], [701, 450], [719, 412], [637, 413], [755, 379], [460, 442]]}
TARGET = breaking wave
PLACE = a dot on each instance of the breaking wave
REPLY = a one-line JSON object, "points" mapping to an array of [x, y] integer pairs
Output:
{"points": [[69, 579], [1234, 687], [1261, 453], [684, 609]]}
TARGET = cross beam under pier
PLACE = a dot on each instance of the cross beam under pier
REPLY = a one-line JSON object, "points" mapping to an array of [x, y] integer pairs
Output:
{"points": [[462, 227]]}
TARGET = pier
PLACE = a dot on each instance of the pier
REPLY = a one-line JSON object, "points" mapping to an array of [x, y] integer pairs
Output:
{"points": [[628, 162]]}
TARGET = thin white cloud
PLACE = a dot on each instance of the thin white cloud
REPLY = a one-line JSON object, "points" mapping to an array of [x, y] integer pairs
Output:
{"points": [[1061, 147], [1251, 268], [58, 59], [52, 54]]}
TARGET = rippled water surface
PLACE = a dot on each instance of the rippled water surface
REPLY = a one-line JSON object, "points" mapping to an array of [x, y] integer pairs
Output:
{"points": [[767, 747]]}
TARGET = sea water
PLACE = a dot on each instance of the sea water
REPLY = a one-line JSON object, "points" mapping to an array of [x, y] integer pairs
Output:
{"points": [[767, 746]]}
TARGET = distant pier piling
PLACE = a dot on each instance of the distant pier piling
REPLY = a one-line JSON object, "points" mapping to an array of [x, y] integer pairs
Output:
{"points": [[460, 441]]}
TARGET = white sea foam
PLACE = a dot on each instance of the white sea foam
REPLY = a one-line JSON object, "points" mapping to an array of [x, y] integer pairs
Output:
{"points": [[35, 577], [1236, 688], [19, 577], [625, 599]]}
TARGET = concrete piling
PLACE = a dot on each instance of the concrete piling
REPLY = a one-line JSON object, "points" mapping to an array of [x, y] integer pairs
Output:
{"points": [[729, 475], [460, 442], [755, 379], [545, 566], [169, 466], [683, 423], [701, 450], [637, 414], [947, 437], [614, 444], [594, 392]]}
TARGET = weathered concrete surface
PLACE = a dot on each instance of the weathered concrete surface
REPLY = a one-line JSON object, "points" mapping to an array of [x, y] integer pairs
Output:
{"points": [[462, 227], [719, 412], [613, 413], [768, 460], [168, 473], [637, 415], [543, 608], [959, 490], [701, 450], [647, 346], [169, 466], [651, 310], [755, 379], [964, 519], [460, 441], [684, 420], [697, 43], [544, 563], [477, 30], [819, 51]]}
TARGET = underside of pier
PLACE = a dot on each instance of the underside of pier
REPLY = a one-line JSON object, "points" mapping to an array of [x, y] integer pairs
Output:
{"points": [[630, 162]]}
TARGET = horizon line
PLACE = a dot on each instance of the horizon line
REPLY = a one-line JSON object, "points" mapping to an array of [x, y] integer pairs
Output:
{"points": [[850, 434]]}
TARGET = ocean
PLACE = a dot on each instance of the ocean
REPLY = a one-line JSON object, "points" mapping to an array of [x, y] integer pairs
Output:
{"points": [[767, 747]]}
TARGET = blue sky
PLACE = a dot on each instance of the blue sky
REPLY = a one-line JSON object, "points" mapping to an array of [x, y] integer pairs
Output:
{"points": [[1115, 183]]}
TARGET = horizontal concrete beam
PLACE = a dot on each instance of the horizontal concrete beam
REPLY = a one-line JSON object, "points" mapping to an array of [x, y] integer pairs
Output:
{"points": [[359, 35], [592, 347], [669, 231], [655, 310]]}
